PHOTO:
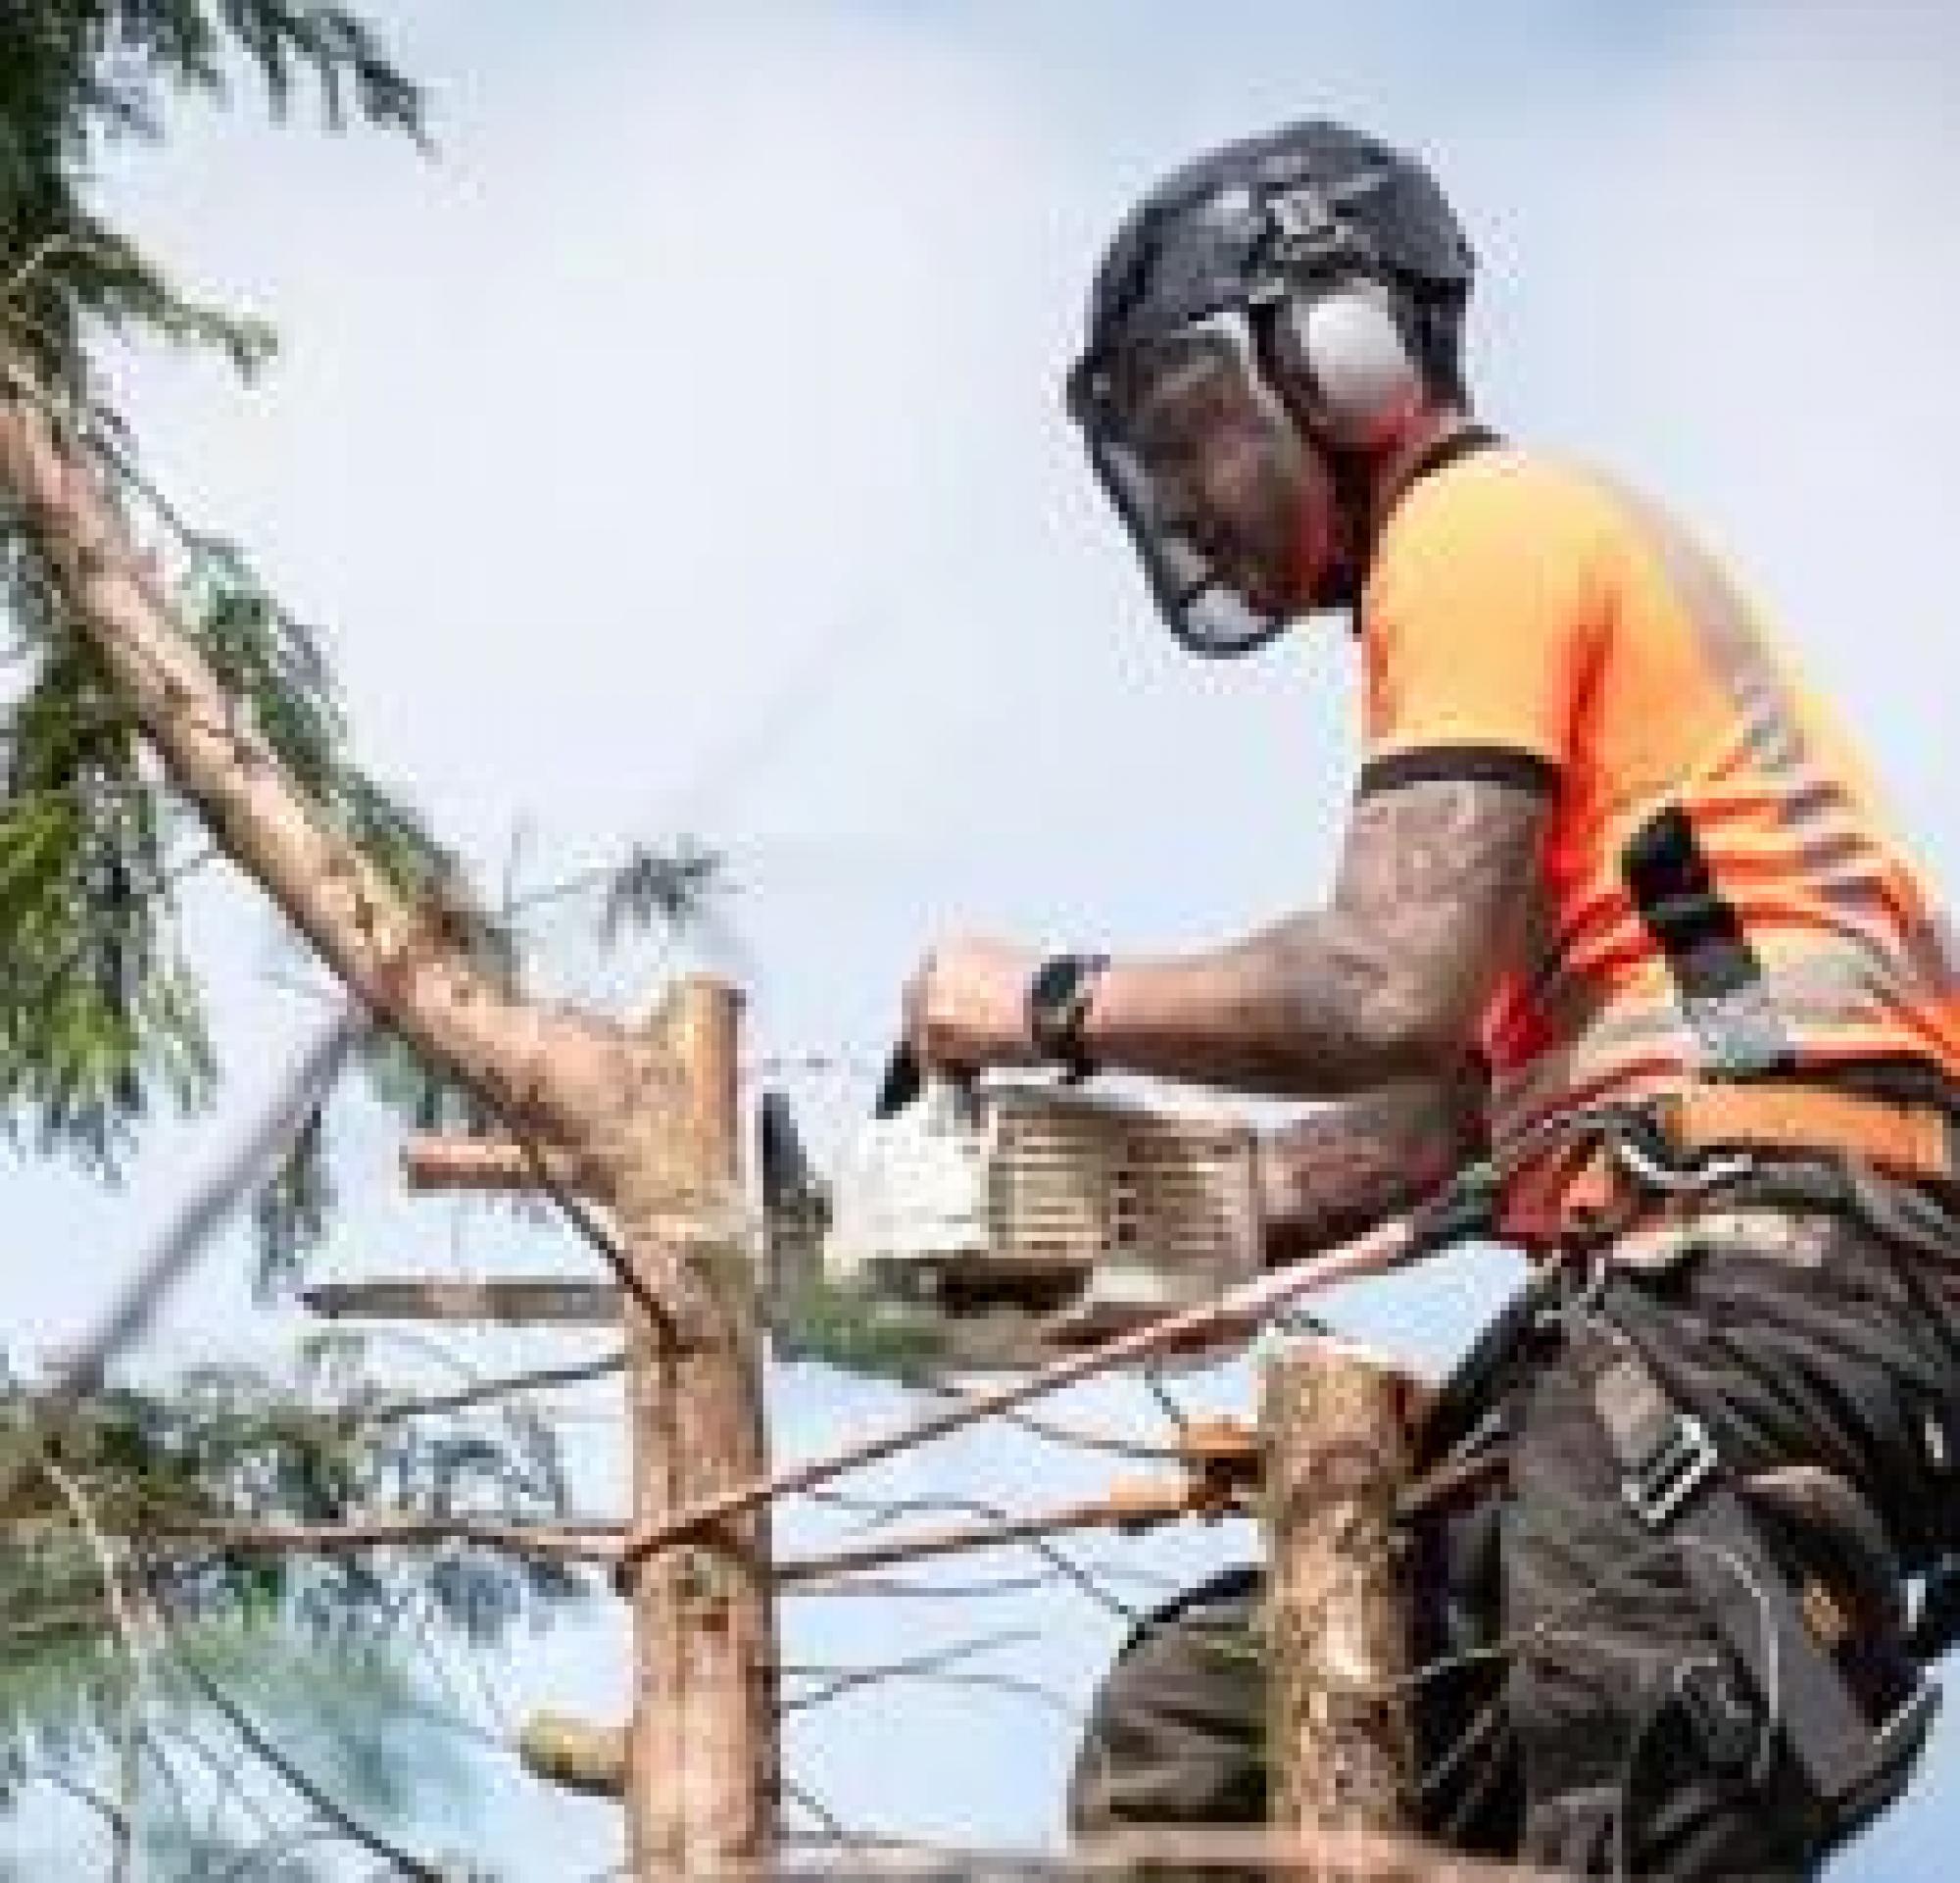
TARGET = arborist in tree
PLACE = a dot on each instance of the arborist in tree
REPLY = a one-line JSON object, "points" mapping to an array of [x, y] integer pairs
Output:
{"points": [[1620, 914]]}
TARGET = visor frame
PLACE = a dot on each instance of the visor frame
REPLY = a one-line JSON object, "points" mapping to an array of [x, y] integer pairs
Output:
{"points": [[1204, 611]]}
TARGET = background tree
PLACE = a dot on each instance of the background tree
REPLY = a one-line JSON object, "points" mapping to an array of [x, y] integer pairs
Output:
{"points": [[102, 1012]]}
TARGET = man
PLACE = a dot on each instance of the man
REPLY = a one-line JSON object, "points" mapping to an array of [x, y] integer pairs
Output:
{"points": [[1617, 905]]}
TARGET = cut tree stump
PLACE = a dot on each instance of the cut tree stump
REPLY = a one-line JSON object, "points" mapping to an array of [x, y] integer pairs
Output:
{"points": [[452, 1160], [700, 1766], [574, 1754], [1340, 1720]]}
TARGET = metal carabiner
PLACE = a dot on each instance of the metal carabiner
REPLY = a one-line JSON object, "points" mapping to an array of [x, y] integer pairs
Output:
{"points": [[1707, 1172]]}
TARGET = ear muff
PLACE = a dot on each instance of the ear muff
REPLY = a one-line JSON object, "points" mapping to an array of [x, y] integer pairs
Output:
{"points": [[1345, 359]]}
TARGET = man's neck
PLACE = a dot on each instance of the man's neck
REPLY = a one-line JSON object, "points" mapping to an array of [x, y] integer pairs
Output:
{"points": [[1396, 470]]}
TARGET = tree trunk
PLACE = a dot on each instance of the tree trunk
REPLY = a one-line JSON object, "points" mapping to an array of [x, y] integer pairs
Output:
{"points": [[701, 1761], [608, 1108], [1340, 1732]]}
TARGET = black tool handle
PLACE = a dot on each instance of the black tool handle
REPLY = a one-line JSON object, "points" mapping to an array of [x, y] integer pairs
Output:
{"points": [[903, 1081]]}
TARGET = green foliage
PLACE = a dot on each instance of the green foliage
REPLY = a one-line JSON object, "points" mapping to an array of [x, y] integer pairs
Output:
{"points": [[861, 1330], [320, 1700], [99, 1012], [293, 1209], [270, 665], [272, 670], [316, 1701], [100, 1015], [97, 1005], [75, 71], [654, 887], [230, 1443], [177, 1847], [279, 686]]}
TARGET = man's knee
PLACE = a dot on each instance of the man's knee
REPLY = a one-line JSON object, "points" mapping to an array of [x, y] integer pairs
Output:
{"points": [[1686, 1782], [1175, 1733]]}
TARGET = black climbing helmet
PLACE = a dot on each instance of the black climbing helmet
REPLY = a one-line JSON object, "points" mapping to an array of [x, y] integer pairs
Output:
{"points": [[1317, 277]]}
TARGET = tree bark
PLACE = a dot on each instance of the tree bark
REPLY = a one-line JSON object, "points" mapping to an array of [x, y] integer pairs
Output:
{"points": [[1340, 1725], [701, 1779], [447, 1161]]}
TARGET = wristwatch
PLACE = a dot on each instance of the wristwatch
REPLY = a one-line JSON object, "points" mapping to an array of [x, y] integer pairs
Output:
{"points": [[1059, 1000]]}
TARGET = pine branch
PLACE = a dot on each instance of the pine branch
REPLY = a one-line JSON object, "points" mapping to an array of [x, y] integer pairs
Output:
{"points": [[99, 1012], [396, 954]]}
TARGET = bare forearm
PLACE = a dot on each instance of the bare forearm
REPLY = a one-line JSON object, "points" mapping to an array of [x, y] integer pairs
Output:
{"points": [[1315, 1007], [1347, 1165], [1387, 983]]}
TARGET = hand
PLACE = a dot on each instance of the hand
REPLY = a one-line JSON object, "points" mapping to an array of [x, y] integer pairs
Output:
{"points": [[967, 1008]]}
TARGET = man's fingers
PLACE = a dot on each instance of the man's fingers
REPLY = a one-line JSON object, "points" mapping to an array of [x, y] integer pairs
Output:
{"points": [[917, 1026]]}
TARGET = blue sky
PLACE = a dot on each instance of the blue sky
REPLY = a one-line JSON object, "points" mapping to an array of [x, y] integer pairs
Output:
{"points": [[682, 449]]}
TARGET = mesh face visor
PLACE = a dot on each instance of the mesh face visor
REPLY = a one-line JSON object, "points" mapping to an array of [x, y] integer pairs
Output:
{"points": [[1180, 430]]}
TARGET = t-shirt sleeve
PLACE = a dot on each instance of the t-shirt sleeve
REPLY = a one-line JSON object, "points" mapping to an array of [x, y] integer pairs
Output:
{"points": [[1477, 629]]}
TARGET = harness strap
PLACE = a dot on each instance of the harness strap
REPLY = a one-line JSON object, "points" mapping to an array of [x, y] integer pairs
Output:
{"points": [[1584, 1182], [1716, 971], [1911, 1141], [1852, 1718]]}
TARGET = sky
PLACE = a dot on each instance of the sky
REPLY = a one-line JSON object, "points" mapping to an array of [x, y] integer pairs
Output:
{"points": [[680, 449]]}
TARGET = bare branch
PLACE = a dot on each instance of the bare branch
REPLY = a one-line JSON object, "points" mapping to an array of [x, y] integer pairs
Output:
{"points": [[539, 1379], [561, 1542], [517, 1303], [1131, 1506], [1064, 1432], [1382, 1248], [136, 1649], [321, 1801], [934, 1666], [181, 1245], [113, 1815]]}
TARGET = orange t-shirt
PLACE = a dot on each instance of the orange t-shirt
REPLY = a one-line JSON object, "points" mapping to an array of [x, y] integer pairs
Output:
{"points": [[1526, 619]]}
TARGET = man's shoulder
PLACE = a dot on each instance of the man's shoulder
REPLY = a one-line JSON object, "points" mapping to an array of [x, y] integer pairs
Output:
{"points": [[1502, 520], [1504, 487]]}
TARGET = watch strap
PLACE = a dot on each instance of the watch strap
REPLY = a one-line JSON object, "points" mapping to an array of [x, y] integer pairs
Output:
{"points": [[1058, 1001]]}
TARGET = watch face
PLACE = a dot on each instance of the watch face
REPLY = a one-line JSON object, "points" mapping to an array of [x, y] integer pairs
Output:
{"points": [[1055, 984], [1058, 1003]]}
